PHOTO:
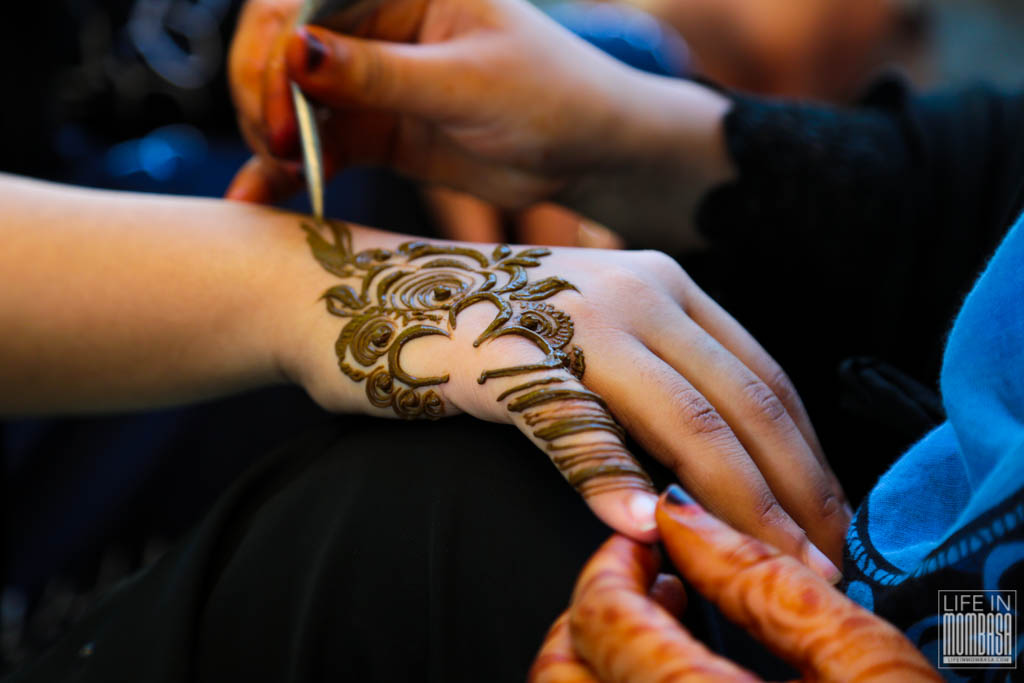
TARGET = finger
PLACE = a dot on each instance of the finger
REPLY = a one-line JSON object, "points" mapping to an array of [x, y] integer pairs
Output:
{"points": [[548, 224], [668, 591], [625, 636], [786, 606], [279, 120], [706, 312], [342, 71], [760, 421], [530, 385], [464, 218], [574, 428], [685, 432], [557, 662], [264, 181], [595, 236], [259, 24]]}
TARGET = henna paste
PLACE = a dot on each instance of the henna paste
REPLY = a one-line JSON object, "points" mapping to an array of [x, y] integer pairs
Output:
{"points": [[537, 382], [393, 297]]}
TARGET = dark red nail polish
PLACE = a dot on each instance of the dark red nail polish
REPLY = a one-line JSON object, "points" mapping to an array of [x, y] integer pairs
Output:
{"points": [[316, 51]]}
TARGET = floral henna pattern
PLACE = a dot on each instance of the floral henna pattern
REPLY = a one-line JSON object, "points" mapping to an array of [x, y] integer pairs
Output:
{"points": [[418, 290]]}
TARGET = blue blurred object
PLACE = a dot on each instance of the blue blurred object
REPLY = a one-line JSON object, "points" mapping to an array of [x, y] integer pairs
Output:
{"points": [[160, 155], [628, 34]]}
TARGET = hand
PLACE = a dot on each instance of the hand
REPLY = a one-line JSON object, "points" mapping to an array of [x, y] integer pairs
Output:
{"points": [[554, 341], [492, 98], [621, 625], [464, 218], [435, 110]]}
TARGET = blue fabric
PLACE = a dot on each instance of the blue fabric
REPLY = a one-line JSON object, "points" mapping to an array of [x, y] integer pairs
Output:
{"points": [[949, 515], [630, 35]]}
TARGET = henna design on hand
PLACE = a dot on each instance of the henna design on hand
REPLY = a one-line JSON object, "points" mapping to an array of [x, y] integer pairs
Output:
{"points": [[418, 290]]}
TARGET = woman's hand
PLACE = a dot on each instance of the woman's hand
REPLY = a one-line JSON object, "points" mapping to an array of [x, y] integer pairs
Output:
{"points": [[567, 344], [486, 96], [621, 625], [126, 301]]}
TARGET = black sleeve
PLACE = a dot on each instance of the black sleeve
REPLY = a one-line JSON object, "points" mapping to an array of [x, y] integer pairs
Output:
{"points": [[877, 216], [900, 179], [856, 232]]}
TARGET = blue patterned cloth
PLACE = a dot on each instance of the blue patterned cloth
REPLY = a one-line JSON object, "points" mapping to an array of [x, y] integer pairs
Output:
{"points": [[949, 515]]}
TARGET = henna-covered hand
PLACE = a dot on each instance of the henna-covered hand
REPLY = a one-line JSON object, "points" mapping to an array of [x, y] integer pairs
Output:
{"points": [[618, 629], [390, 298], [569, 344]]}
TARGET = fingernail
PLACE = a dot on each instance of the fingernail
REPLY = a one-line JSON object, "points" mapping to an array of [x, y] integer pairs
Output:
{"points": [[677, 496], [821, 565], [316, 51], [641, 507]]}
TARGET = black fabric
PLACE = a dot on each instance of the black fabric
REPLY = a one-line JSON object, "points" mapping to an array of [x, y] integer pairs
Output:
{"points": [[882, 393], [857, 231], [439, 552], [443, 551]]}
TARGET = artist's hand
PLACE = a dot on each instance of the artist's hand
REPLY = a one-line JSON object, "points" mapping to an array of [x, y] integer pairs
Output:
{"points": [[487, 96], [622, 626], [672, 367], [463, 218]]}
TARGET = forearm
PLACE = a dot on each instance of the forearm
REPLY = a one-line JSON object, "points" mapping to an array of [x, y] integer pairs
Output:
{"points": [[117, 301], [668, 153]]}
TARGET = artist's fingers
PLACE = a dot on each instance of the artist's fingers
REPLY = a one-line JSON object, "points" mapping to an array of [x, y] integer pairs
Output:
{"points": [[264, 181], [679, 426], [557, 662], [342, 71], [256, 60], [279, 120], [463, 217], [625, 636], [761, 422], [667, 590], [548, 224], [259, 24], [595, 236], [267, 180], [777, 599]]}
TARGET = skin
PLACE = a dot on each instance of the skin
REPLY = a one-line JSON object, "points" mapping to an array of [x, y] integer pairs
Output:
{"points": [[466, 101], [124, 302], [823, 50], [619, 629], [418, 290], [459, 93]]}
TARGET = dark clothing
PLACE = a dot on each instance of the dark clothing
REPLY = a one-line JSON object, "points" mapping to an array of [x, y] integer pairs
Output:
{"points": [[440, 551], [856, 233], [354, 552]]}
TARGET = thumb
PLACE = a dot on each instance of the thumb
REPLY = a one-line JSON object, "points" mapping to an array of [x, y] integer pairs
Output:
{"points": [[341, 71], [264, 181], [786, 605]]}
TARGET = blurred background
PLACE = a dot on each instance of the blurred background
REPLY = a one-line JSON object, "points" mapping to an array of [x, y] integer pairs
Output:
{"points": [[131, 95]]}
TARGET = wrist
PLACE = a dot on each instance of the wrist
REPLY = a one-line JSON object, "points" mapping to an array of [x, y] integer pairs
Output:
{"points": [[665, 152], [303, 334]]}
